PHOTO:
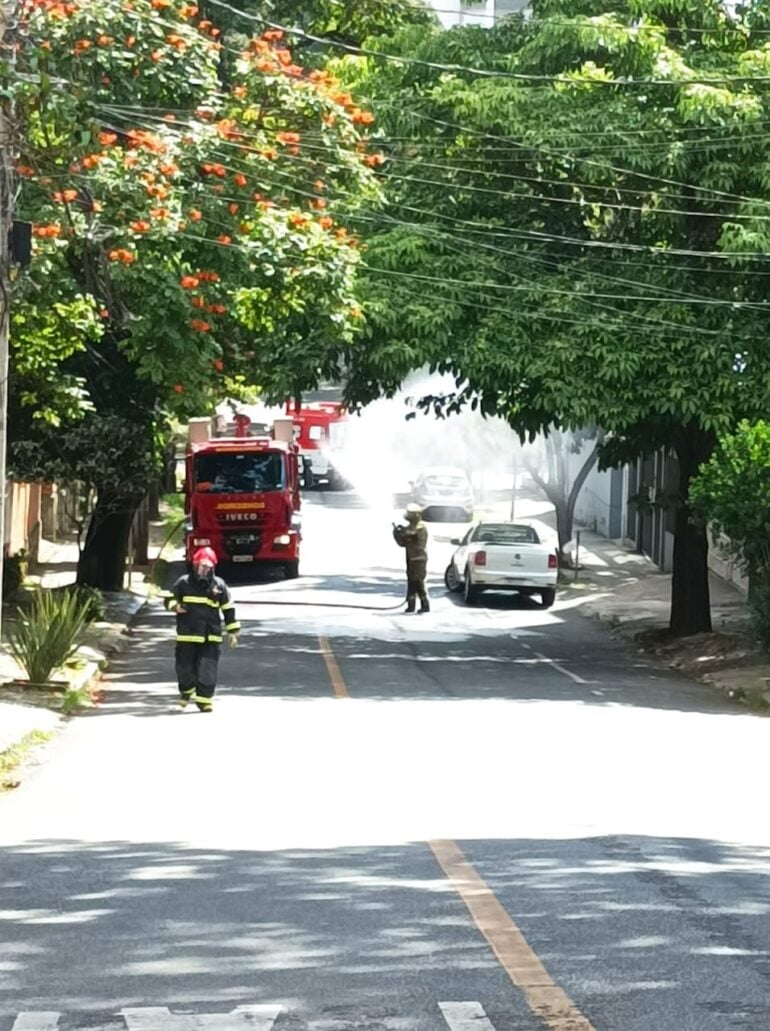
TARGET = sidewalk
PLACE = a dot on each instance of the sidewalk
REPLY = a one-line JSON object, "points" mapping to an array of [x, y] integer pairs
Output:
{"points": [[20, 712], [630, 593]]}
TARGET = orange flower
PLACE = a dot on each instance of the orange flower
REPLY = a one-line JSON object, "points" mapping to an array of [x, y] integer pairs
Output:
{"points": [[326, 222], [189, 11], [198, 302], [270, 153], [156, 55], [216, 309], [24, 170], [160, 192], [168, 168], [160, 213], [296, 218], [189, 282], [65, 196], [224, 239], [219, 365], [318, 203], [160, 4], [140, 226], [287, 137], [319, 185], [273, 35], [200, 326], [208, 277], [108, 138], [239, 92], [178, 388], [239, 179], [105, 41], [45, 232], [122, 255], [373, 160], [195, 215], [81, 46], [233, 208], [130, 41]]}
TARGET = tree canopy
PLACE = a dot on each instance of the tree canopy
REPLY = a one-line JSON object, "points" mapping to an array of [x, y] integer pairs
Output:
{"points": [[575, 228], [184, 194]]}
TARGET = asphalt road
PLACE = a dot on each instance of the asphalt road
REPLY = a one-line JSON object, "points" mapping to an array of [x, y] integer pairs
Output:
{"points": [[486, 819]]}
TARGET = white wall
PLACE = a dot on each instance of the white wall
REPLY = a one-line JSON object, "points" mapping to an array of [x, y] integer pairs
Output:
{"points": [[456, 12]]}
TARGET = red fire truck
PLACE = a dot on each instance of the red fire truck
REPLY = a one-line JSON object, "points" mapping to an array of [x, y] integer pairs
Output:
{"points": [[319, 431], [242, 493]]}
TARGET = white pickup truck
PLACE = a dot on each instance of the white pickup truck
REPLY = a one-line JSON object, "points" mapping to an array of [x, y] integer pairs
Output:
{"points": [[503, 557]]}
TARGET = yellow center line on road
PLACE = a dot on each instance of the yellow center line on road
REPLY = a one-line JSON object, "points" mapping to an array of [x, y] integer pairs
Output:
{"points": [[340, 690], [543, 996]]}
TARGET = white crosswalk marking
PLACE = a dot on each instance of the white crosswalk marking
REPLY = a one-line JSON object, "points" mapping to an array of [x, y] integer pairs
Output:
{"points": [[36, 1022], [160, 1018], [466, 1016]]}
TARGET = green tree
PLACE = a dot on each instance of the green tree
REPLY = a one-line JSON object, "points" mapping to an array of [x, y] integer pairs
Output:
{"points": [[732, 494], [576, 221], [185, 201]]}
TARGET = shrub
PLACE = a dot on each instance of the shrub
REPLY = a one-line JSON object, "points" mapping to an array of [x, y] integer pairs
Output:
{"points": [[91, 597], [14, 571], [48, 634], [759, 607]]}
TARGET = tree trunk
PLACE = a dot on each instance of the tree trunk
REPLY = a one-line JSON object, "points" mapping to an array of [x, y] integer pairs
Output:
{"points": [[690, 598], [153, 501], [140, 535], [102, 561]]}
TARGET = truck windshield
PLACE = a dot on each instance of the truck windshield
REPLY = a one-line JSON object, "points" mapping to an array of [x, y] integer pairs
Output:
{"points": [[238, 473]]}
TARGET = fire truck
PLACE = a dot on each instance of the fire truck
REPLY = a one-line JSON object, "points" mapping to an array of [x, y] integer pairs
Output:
{"points": [[242, 494], [319, 431]]}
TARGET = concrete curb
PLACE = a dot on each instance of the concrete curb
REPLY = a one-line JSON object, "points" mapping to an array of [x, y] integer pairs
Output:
{"points": [[104, 640]]}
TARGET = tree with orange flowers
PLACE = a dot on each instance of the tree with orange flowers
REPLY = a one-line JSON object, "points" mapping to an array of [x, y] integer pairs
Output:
{"points": [[188, 202]]}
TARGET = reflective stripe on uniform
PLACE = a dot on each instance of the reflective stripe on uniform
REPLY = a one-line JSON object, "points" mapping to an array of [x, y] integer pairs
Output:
{"points": [[214, 639], [232, 627], [190, 639], [193, 599]]}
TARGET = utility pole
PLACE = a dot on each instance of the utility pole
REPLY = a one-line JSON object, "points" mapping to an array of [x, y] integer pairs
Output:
{"points": [[8, 11]]}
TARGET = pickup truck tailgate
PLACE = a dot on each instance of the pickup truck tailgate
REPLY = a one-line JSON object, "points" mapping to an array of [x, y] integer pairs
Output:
{"points": [[525, 563]]}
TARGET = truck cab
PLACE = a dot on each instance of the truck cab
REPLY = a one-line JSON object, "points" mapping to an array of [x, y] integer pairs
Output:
{"points": [[242, 495]]}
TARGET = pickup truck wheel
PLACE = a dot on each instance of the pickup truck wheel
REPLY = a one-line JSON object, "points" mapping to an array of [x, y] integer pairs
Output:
{"points": [[548, 594], [470, 593], [291, 570], [452, 581]]}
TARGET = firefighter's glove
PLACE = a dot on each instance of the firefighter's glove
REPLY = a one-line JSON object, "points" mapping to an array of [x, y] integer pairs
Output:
{"points": [[232, 640]]}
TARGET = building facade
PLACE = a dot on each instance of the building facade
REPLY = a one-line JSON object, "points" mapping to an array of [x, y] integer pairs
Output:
{"points": [[486, 13]]}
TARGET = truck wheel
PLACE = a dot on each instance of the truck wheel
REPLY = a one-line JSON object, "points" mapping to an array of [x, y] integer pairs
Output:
{"points": [[291, 569], [548, 594], [470, 593]]}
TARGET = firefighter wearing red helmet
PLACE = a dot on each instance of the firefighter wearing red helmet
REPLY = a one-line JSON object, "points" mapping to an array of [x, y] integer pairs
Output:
{"points": [[202, 602]]}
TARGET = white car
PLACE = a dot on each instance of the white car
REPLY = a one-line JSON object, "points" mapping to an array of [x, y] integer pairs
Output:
{"points": [[444, 492], [503, 556]]}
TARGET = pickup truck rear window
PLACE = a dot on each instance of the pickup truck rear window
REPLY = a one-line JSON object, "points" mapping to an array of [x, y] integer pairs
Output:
{"points": [[492, 533]]}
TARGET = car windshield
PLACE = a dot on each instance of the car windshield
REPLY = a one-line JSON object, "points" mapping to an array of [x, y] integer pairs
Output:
{"points": [[505, 533], [458, 482], [238, 473]]}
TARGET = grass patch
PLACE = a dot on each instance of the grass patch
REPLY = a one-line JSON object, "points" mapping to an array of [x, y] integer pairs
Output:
{"points": [[12, 757]]}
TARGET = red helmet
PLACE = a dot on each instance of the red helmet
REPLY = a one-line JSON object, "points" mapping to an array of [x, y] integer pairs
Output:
{"points": [[205, 555]]}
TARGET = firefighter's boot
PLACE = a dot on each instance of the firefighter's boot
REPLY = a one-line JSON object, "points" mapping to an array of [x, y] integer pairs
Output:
{"points": [[185, 697], [204, 704], [425, 607]]}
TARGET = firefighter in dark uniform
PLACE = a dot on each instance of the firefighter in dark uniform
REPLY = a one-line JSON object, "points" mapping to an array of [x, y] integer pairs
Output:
{"points": [[414, 538], [201, 600]]}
